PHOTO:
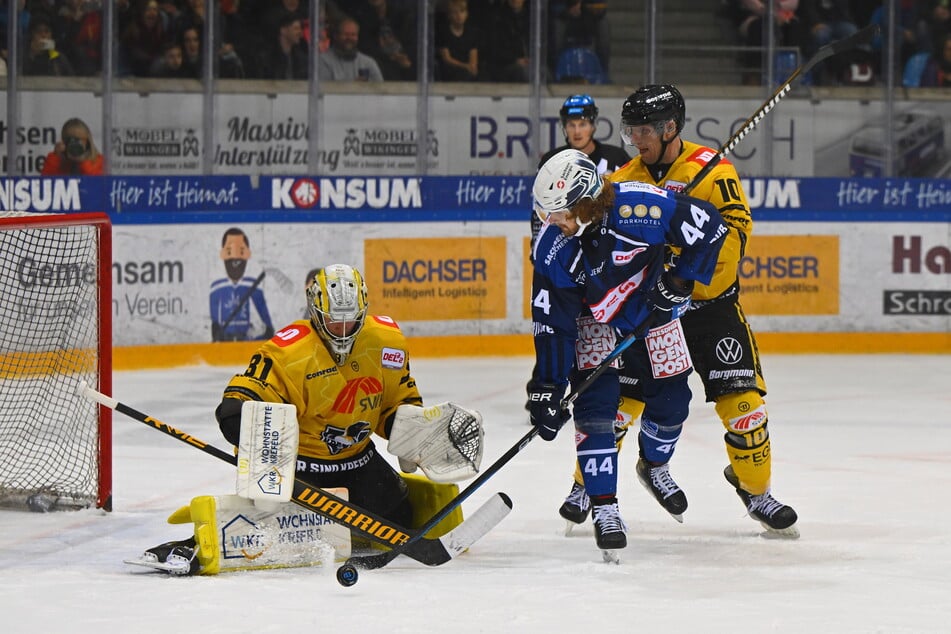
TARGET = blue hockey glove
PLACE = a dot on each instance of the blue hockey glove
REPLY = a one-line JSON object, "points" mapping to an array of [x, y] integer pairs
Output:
{"points": [[668, 300], [544, 409]]}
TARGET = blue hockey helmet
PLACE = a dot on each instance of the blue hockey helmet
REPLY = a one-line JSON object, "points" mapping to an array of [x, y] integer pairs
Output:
{"points": [[579, 107]]}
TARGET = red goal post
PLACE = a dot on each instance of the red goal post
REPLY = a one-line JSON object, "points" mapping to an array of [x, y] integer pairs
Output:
{"points": [[55, 332]]}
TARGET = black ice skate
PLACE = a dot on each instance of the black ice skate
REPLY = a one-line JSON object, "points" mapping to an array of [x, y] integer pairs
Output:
{"points": [[778, 519], [658, 481], [178, 558], [609, 528], [577, 505]]}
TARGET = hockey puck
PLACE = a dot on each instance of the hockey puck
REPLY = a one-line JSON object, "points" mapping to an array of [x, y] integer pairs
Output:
{"points": [[39, 503], [347, 575]]}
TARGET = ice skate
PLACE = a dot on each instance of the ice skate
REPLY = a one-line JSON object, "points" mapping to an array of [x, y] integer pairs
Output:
{"points": [[609, 528], [576, 507], [177, 558], [658, 481], [778, 519]]}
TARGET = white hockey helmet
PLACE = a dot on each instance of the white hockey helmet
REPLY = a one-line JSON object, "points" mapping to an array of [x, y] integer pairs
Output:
{"points": [[562, 181], [337, 300]]}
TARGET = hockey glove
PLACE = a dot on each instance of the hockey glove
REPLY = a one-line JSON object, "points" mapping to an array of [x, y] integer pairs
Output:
{"points": [[544, 409], [668, 300]]}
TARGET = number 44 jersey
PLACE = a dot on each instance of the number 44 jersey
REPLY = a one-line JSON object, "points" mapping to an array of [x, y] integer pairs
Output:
{"points": [[614, 263]]}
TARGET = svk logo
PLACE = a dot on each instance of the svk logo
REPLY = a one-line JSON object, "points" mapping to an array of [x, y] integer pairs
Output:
{"points": [[729, 350], [347, 400]]}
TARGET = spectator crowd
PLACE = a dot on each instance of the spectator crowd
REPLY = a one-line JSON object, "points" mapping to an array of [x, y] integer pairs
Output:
{"points": [[921, 28], [475, 40]]}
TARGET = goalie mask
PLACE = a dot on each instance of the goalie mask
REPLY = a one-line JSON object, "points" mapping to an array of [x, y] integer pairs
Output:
{"points": [[337, 300], [563, 181]]}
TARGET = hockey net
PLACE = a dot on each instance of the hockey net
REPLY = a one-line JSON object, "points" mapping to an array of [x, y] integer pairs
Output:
{"points": [[55, 331]]}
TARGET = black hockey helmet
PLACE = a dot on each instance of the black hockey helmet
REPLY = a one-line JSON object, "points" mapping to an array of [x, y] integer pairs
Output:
{"points": [[578, 107], [654, 103]]}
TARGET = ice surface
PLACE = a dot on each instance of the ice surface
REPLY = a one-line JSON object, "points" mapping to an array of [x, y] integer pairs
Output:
{"points": [[861, 449]]}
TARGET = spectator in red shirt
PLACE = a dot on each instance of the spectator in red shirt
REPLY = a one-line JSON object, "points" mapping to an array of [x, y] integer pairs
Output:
{"points": [[75, 153]]}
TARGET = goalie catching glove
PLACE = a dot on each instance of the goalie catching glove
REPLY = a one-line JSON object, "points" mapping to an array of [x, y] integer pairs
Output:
{"points": [[444, 440]]}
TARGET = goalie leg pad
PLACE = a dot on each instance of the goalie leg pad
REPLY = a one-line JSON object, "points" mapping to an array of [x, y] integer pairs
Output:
{"points": [[232, 533], [747, 439], [428, 498], [445, 440], [267, 451]]}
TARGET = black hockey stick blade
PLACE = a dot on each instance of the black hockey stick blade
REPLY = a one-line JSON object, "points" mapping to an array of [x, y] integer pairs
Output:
{"points": [[863, 36], [361, 522], [454, 543], [859, 38], [371, 562]]}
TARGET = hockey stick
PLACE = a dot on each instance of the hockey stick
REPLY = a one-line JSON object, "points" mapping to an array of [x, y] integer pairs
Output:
{"points": [[863, 36], [378, 560], [431, 552]]}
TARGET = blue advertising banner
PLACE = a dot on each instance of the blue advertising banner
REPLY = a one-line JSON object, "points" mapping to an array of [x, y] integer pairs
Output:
{"points": [[185, 199]]}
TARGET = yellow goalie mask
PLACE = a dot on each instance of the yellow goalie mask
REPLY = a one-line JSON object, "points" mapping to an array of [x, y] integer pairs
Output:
{"points": [[337, 300]]}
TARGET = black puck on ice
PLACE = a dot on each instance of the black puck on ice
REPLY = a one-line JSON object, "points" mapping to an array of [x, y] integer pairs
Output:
{"points": [[347, 575]]}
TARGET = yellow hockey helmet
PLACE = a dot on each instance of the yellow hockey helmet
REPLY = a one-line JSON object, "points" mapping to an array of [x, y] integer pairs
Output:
{"points": [[337, 300]]}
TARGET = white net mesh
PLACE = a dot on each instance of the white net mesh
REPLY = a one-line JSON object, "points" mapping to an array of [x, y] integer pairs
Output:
{"points": [[49, 341]]}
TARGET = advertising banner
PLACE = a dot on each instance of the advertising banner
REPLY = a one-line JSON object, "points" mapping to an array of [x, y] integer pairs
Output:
{"points": [[226, 258], [791, 275], [437, 278], [266, 133]]}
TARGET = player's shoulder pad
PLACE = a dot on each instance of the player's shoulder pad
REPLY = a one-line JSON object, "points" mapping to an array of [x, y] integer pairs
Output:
{"points": [[384, 330], [632, 170], [385, 321], [700, 155], [290, 334], [381, 331]]}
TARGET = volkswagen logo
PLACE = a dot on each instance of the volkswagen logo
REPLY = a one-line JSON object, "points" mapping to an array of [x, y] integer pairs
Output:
{"points": [[729, 350]]}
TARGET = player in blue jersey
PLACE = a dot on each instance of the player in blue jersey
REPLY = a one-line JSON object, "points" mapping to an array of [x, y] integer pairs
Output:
{"points": [[599, 270]]}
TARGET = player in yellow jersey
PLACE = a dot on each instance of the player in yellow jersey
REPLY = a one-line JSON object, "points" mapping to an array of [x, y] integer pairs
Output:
{"points": [[347, 373], [718, 335]]}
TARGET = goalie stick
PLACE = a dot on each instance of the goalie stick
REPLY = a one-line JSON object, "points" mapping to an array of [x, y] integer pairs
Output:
{"points": [[411, 542], [863, 36]]}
